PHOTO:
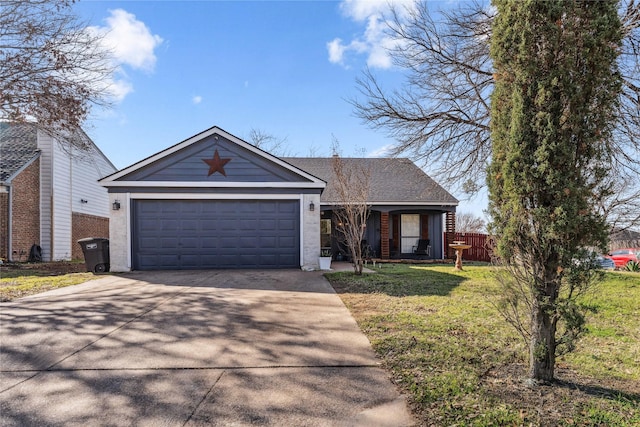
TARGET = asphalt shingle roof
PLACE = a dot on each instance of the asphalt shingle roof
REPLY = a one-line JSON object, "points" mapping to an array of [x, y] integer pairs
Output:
{"points": [[18, 145], [393, 180]]}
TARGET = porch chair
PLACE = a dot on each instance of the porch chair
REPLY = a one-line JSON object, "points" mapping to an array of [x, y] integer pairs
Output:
{"points": [[423, 247], [367, 250]]}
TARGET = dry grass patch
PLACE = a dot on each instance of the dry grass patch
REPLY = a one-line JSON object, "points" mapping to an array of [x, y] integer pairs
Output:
{"points": [[23, 279]]}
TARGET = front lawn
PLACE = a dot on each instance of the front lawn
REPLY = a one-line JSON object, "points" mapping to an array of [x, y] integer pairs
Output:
{"points": [[462, 364], [18, 280]]}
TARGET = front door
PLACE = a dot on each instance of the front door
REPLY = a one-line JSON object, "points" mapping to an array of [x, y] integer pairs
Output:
{"points": [[410, 232]]}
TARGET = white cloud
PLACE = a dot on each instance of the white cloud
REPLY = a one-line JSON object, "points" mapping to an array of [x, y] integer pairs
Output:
{"points": [[373, 42], [119, 89], [381, 151], [196, 99], [131, 40], [132, 46], [336, 51], [361, 10]]}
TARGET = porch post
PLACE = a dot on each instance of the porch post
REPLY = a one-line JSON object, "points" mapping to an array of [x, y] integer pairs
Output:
{"points": [[384, 235], [449, 235]]}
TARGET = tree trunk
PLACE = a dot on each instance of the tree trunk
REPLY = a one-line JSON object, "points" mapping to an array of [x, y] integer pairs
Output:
{"points": [[542, 347], [358, 266]]}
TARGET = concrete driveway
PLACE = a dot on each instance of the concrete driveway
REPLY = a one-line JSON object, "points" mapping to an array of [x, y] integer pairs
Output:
{"points": [[191, 348]]}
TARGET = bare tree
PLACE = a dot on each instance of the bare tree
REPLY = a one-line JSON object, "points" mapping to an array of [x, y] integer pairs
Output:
{"points": [[351, 185], [466, 222], [440, 117], [52, 68], [268, 142]]}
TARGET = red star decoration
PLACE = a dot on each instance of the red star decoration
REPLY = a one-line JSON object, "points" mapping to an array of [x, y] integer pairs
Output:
{"points": [[216, 164]]}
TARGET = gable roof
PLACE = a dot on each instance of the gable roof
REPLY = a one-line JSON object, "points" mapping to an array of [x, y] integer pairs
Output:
{"points": [[624, 235], [393, 180], [136, 174], [18, 147]]}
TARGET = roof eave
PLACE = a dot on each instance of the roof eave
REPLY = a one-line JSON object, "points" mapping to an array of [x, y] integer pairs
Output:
{"points": [[22, 168], [110, 179], [396, 203]]}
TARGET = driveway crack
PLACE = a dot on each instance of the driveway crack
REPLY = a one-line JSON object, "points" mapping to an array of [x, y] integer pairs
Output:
{"points": [[50, 368], [203, 399]]}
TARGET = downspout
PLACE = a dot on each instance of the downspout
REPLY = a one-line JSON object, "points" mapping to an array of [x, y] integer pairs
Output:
{"points": [[70, 202], [9, 222]]}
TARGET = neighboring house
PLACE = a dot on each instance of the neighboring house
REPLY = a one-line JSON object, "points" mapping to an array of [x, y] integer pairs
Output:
{"points": [[216, 201], [405, 206], [49, 193], [624, 239]]}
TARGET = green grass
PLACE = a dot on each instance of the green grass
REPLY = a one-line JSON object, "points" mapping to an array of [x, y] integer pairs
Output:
{"points": [[18, 284], [462, 364]]}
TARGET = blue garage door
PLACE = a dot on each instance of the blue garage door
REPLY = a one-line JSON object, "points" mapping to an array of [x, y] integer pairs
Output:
{"points": [[203, 234]]}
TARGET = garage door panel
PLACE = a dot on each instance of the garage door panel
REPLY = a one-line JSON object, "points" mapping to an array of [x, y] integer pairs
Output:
{"points": [[165, 243], [169, 225], [189, 243], [148, 243], [249, 224], [268, 242], [208, 243], [189, 225], [287, 242], [247, 243], [284, 224], [268, 224], [190, 234]]}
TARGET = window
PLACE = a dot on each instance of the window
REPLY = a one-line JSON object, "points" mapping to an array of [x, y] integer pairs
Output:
{"points": [[325, 233], [410, 229]]}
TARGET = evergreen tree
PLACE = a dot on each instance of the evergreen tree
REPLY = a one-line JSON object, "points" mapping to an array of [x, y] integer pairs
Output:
{"points": [[552, 109]]}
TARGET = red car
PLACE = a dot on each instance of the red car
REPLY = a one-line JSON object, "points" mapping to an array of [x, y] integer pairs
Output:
{"points": [[621, 257]]}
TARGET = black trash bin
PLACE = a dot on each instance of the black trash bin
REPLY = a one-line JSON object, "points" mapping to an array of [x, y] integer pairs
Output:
{"points": [[96, 253]]}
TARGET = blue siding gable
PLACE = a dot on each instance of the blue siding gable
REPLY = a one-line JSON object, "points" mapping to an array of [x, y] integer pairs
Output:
{"points": [[187, 165]]}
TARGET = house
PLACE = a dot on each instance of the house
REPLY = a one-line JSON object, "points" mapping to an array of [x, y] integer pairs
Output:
{"points": [[627, 238], [49, 193], [216, 201], [406, 206]]}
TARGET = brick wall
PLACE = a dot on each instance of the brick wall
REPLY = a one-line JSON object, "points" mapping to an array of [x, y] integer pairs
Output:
{"points": [[4, 224], [25, 207], [82, 226]]}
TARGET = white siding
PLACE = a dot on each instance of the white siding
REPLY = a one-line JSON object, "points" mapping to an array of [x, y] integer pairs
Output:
{"points": [[45, 144], [88, 168], [61, 218], [66, 178]]}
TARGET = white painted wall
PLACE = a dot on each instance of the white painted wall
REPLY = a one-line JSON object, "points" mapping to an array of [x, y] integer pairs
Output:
{"points": [[310, 232], [119, 243]]}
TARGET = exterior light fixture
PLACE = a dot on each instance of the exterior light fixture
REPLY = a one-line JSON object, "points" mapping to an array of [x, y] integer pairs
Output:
{"points": [[84, 201], [312, 207], [116, 205]]}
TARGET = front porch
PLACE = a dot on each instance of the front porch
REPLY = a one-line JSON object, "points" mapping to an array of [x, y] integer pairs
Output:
{"points": [[391, 234]]}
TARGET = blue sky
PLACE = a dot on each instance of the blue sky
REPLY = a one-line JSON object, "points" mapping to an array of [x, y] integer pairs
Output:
{"points": [[286, 68]]}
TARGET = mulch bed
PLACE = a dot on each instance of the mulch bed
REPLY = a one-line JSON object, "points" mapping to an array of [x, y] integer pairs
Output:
{"points": [[44, 268]]}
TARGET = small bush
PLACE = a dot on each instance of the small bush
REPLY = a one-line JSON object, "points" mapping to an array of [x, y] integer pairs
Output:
{"points": [[633, 266]]}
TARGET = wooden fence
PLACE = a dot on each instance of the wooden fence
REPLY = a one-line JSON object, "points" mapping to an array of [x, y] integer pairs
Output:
{"points": [[479, 250]]}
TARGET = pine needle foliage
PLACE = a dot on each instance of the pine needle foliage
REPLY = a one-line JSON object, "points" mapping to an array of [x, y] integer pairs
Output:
{"points": [[556, 90]]}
